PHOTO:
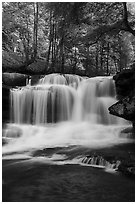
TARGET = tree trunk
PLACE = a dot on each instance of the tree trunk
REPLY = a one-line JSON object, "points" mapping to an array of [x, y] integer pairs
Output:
{"points": [[62, 64], [62, 54], [97, 60], [52, 48], [120, 54], [75, 62], [108, 58], [87, 61], [50, 43], [101, 56], [35, 33], [62, 51]]}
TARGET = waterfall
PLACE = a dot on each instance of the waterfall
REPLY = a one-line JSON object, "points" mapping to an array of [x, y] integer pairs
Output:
{"points": [[64, 110], [41, 104], [66, 79], [59, 98]]}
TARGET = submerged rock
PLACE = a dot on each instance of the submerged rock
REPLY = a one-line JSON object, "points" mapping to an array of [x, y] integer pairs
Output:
{"points": [[13, 132]]}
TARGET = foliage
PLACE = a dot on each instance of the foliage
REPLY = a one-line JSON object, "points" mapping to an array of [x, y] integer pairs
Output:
{"points": [[90, 38]]}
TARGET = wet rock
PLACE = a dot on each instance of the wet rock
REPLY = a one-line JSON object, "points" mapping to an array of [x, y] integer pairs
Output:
{"points": [[128, 133], [35, 79], [127, 130], [125, 89], [124, 163], [5, 103], [131, 170], [127, 167], [124, 108], [14, 79], [4, 141], [125, 82], [13, 132]]}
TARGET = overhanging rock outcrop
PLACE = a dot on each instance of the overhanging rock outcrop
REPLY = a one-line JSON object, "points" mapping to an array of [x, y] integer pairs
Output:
{"points": [[125, 89], [124, 108]]}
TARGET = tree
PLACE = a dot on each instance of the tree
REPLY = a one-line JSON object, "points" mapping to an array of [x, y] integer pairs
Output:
{"points": [[18, 19], [94, 37]]}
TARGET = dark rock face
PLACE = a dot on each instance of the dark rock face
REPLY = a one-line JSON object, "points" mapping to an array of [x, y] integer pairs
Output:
{"points": [[4, 141], [10, 80], [5, 104], [14, 79], [125, 83], [17, 79], [35, 79], [125, 88], [125, 108]]}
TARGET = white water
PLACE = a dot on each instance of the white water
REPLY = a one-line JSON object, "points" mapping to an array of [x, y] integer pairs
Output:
{"points": [[62, 111]]}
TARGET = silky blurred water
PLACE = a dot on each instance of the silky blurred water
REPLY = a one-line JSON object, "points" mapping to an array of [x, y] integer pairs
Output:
{"points": [[62, 111]]}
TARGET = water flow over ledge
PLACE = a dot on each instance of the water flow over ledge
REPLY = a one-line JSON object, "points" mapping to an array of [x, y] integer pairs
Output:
{"points": [[62, 111]]}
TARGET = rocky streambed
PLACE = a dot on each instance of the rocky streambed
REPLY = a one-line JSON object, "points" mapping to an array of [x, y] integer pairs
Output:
{"points": [[36, 180]]}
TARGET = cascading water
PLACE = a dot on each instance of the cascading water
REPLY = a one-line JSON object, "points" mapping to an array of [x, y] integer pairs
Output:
{"points": [[62, 111], [67, 79], [41, 104]]}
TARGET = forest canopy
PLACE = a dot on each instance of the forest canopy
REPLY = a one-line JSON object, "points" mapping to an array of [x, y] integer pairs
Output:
{"points": [[90, 38]]}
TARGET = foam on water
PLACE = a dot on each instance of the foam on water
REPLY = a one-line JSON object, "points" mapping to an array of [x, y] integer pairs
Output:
{"points": [[62, 135], [63, 110]]}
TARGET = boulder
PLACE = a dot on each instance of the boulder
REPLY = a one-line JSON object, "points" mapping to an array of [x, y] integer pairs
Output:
{"points": [[124, 108], [14, 79], [125, 83], [125, 89], [13, 132]]}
